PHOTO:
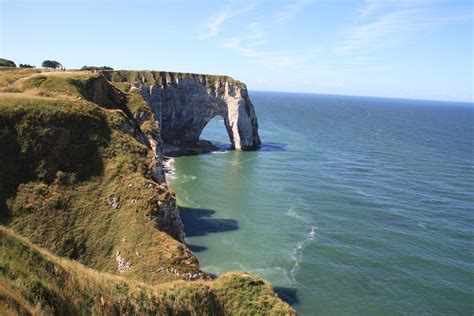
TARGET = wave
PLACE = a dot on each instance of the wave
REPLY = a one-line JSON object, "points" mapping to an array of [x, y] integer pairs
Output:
{"points": [[276, 270], [422, 225], [297, 255], [169, 169], [212, 269], [187, 178], [168, 166], [292, 213], [235, 163], [169, 178], [362, 192]]}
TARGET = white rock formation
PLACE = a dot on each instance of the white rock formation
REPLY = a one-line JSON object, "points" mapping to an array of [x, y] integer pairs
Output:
{"points": [[185, 103]]}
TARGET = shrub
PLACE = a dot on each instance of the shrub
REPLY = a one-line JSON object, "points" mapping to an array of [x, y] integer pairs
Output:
{"points": [[6, 63]]}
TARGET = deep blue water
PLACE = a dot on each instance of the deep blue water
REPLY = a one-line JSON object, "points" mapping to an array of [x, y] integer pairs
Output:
{"points": [[354, 205]]}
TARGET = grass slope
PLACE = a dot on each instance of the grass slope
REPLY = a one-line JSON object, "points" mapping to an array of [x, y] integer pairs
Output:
{"points": [[33, 281], [64, 162]]}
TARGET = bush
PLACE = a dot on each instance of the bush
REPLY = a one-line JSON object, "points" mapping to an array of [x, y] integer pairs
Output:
{"points": [[6, 63], [26, 66]]}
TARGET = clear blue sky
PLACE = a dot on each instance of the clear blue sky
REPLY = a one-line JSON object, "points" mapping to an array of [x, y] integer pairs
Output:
{"points": [[406, 48]]}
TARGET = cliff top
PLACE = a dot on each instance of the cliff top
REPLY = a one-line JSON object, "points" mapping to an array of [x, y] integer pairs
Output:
{"points": [[8, 76], [165, 77]]}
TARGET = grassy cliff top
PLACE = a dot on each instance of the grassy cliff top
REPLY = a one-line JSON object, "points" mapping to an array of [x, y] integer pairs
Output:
{"points": [[121, 79], [165, 77]]}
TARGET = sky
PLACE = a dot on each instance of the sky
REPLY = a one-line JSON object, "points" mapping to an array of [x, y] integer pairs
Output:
{"points": [[417, 49]]}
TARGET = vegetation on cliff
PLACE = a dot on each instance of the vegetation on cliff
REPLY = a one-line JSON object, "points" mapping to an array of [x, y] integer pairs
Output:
{"points": [[78, 183], [34, 281], [88, 221], [7, 63], [164, 77]]}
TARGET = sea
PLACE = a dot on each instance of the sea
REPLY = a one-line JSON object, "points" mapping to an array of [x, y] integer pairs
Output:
{"points": [[352, 206]]}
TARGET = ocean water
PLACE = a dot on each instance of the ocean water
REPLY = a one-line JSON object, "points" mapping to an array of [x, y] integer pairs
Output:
{"points": [[353, 205]]}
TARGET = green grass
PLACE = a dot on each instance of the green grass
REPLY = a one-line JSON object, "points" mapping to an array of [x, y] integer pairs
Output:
{"points": [[59, 84], [63, 159], [9, 76], [165, 77], [32, 280], [122, 86]]}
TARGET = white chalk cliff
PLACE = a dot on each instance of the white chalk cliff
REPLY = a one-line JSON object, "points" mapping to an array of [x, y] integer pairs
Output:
{"points": [[185, 103]]}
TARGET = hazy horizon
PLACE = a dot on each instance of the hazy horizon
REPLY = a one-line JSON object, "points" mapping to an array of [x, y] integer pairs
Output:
{"points": [[364, 96]]}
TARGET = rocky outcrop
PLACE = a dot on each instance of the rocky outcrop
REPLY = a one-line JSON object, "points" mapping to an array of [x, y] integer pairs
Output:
{"points": [[185, 103], [101, 92], [144, 128]]}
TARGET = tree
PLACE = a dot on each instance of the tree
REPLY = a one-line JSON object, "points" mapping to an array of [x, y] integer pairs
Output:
{"points": [[51, 64], [6, 63], [26, 66]]}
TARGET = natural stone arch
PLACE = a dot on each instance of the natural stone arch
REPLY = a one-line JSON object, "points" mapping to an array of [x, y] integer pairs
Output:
{"points": [[185, 103], [188, 105]]}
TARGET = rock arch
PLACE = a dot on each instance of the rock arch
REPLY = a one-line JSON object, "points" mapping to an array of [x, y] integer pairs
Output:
{"points": [[185, 108], [185, 103]]}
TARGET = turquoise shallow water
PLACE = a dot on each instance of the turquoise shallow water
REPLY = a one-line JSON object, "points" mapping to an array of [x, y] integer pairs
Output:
{"points": [[354, 205]]}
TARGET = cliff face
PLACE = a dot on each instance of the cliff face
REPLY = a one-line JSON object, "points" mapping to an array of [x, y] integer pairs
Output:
{"points": [[81, 176], [138, 121], [185, 103]]}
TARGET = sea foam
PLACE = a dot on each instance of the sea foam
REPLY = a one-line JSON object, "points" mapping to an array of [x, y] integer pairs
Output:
{"points": [[297, 255]]}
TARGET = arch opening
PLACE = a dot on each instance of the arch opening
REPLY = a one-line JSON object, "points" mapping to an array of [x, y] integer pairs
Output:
{"points": [[216, 132]]}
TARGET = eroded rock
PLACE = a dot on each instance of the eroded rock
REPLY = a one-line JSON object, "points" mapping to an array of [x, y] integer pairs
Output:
{"points": [[185, 103]]}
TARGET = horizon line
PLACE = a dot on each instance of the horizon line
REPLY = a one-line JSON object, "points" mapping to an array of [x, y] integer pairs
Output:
{"points": [[366, 96]]}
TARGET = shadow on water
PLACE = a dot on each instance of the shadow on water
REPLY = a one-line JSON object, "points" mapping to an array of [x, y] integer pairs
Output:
{"points": [[196, 248], [193, 149], [272, 146], [206, 147], [265, 146], [199, 222], [288, 294], [222, 146]]}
